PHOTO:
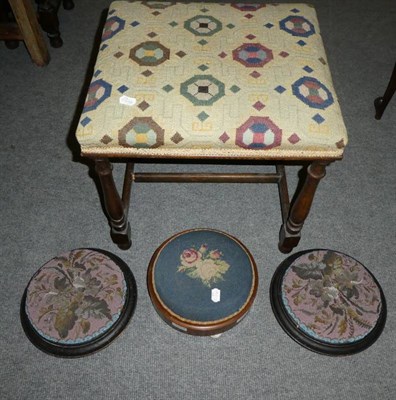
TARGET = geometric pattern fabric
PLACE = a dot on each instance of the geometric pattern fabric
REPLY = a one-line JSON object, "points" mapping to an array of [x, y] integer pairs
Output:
{"points": [[208, 79]]}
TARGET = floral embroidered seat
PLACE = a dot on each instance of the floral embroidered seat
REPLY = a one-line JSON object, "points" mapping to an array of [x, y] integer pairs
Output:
{"points": [[212, 81], [78, 302], [202, 282], [328, 302]]}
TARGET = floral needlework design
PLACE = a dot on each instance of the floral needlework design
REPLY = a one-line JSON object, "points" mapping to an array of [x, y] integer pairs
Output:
{"points": [[332, 297], [203, 264], [76, 297]]}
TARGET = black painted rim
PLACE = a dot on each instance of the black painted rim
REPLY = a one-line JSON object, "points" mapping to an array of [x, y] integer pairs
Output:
{"points": [[301, 337], [100, 342]]}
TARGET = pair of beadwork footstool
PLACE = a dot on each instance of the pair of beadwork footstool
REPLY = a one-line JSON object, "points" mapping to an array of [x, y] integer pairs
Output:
{"points": [[202, 282], [212, 83]]}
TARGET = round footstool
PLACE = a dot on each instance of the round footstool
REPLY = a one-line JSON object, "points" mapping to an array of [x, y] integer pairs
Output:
{"points": [[202, 281], [78, 302], [328, 302]]}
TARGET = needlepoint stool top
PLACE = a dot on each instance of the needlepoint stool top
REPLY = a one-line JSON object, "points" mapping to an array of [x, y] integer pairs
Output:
{"points": [[202, 281], [78, 302], [212, 80], [328, 302]]}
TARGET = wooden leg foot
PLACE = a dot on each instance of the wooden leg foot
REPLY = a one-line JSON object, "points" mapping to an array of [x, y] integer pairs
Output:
{"points": [[379, 110], [287, 240], [122, 238], [12, 44], [55, 41], [68, 4]]}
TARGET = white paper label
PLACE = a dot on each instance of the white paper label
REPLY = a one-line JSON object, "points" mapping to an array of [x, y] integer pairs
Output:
{"points": [[127, 101], [216, 336], [215, 295]]}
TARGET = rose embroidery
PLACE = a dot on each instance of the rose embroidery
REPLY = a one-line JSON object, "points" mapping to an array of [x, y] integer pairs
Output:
{"points": [[189, 257], [203, 264]]}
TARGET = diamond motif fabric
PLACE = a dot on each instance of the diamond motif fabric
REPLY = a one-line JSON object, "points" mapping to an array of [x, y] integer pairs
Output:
{"points": [[212, 80]]}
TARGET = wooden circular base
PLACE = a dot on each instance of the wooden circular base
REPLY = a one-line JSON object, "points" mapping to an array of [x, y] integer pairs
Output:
{"points": [[78, 302], [328, 302], [202, 281]]}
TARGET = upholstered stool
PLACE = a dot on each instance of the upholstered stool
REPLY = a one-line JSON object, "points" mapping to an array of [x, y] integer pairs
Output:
{"points": [[328, 302], [202, 282], [207, 81], [78, 302]]}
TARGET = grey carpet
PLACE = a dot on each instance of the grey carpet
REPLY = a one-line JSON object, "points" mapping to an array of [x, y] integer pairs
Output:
{"points": [[49, 205]]}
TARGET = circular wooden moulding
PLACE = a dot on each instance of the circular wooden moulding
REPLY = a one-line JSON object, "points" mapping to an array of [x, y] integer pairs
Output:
{"points": [[78, 302], [202, 281], [328, 302]]}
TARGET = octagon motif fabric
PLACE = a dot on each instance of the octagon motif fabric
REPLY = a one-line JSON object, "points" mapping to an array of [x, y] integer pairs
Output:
{"points": [[212, 80]]}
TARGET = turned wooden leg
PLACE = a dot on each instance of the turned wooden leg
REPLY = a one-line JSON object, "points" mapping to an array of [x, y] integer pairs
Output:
{"points": [[380, 103], [120, 228], [290, 233], [48, 18], [30, 31], [8, 23]]}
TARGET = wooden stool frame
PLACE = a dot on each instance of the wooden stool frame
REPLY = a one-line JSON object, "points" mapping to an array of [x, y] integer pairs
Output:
{"points": [[26, 28], [381, 103], [294, 213]]}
